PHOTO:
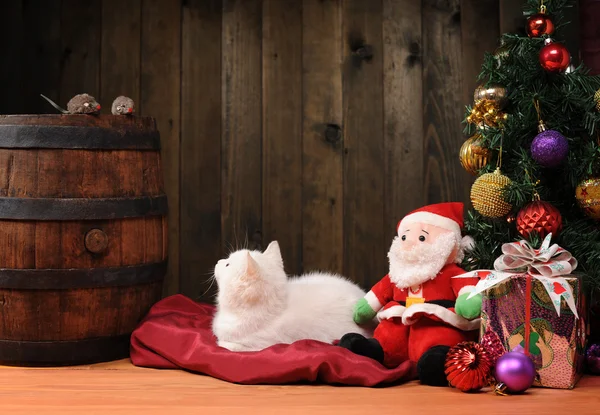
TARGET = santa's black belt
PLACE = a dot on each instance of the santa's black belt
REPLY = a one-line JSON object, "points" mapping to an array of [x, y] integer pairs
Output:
{"points": [[441, 303]]}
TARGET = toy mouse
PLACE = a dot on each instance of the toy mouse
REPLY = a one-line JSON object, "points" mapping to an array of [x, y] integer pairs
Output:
{"points": [[79, 104], [123, 105]]}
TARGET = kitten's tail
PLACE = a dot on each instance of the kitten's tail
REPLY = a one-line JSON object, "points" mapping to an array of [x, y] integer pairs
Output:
{"points": [[54, 104]]}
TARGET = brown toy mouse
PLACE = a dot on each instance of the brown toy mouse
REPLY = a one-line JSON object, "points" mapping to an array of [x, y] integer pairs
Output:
{"points": [[79, 104], [123, 105]]}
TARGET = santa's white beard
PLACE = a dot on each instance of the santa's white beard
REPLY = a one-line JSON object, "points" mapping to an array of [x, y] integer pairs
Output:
{"points": [[409, 268]]}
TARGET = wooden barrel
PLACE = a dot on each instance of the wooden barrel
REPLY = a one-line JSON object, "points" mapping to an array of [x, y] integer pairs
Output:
{"points": [[83, 235]]}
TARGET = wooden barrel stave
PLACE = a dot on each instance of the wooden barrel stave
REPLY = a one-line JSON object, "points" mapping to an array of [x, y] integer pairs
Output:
{"points": [[58, 173], [72, 289], [64, 315]]}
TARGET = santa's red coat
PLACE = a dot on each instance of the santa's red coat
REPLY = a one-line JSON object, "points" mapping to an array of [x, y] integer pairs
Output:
{"points": [[415, 319]]}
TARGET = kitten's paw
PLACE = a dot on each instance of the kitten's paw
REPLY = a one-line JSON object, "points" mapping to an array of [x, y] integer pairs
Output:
{"points": [[233, 347]]}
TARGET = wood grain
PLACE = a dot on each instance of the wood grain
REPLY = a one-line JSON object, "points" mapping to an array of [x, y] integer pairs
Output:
{"points": [[121, 389], [282, 128], [322, 173], [200, 231], [403, 111], [120, 51], [480, 34], [241, 143], [572, 32], [67, 315], [256, 102], [511, 16], [80, 312], [589, 38], [80, 48], [58, 245], [365, 259], [41, 55], [160, 98], [12, 27], [445, 180]]}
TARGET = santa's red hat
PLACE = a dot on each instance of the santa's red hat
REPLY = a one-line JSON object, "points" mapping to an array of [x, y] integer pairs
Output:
{"points": [[447, 215]]}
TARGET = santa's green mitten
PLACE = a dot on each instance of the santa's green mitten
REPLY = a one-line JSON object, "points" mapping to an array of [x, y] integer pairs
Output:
{"points": [[468, 308], [363, 312]]}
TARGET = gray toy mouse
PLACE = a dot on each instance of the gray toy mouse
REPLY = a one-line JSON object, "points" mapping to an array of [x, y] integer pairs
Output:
{"points": [[79, 104], [123, 105]]}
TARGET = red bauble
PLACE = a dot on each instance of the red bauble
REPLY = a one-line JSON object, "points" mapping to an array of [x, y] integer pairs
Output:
{"points": [[540, 217], [555, 57], [468, 367], [539, 24]]}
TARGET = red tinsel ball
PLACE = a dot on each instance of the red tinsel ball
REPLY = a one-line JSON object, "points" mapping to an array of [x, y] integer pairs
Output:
{"points": [[555, 57], [541, 217], [492, 344], [539, 24], [468, 367]]}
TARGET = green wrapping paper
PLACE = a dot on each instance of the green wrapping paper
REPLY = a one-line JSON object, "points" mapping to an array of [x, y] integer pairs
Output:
{"points": [[556, 342]]}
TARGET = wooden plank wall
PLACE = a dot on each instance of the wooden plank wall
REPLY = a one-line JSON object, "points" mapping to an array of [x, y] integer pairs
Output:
{"points": [[318, 123]]}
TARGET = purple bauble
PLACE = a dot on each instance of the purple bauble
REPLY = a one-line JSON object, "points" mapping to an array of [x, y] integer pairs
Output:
{"points": [[516, 370], [549, 148], [592, 358]]}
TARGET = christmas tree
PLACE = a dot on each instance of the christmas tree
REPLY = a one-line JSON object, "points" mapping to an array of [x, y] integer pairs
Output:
{"points": [[534, 145]]}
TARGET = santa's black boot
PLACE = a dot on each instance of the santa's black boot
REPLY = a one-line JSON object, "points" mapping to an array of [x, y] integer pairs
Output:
{"points": [[430, 367], [359, 344]]}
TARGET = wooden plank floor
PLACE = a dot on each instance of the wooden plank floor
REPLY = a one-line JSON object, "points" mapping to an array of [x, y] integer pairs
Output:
{"points": [[120, 388]]}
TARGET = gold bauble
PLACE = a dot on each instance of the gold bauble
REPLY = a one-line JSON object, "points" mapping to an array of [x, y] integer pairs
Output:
{"points": [[501, 53], [473, 156], [487, 197], [493, 93], [597, 99], [587, 194]]}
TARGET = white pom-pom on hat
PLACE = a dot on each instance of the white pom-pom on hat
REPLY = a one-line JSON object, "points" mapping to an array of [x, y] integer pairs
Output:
{"points": [[467, 243]]}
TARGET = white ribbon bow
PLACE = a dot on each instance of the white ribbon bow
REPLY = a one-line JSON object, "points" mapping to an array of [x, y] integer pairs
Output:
{"points": [[546, 265]]}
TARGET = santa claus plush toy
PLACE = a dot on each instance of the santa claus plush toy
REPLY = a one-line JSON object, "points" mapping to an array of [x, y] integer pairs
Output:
{"points": [[422, 310]]}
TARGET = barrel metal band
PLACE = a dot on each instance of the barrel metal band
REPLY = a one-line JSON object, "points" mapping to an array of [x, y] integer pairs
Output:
{"points": [[59, 279], [77, 137], [62, 353], [25, 208]]}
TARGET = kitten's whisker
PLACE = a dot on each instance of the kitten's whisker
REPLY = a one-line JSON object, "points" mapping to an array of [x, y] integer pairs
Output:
{"points": [[212, 281], [235, 238], [229, 248]]}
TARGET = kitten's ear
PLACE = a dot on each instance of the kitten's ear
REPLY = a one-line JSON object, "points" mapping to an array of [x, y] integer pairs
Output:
{"points": [[250, 287], [252, 271], [274, 252]]}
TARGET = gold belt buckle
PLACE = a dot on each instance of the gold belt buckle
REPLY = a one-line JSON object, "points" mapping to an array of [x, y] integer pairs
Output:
{"points": [[414, 300]]}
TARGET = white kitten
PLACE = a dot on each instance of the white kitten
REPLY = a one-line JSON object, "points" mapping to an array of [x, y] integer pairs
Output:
{"points": [[257, 306]]}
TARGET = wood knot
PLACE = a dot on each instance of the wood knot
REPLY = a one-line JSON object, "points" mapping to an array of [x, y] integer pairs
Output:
{"points": [[257, 240], [96, 241], [414, 54], [333, 133], [363, 52]]}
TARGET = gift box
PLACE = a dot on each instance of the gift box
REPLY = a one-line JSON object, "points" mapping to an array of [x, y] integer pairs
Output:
{"points": [[531, 299]]}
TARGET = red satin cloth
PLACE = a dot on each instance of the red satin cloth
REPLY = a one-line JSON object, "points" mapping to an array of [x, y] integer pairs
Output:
{"points": [[176, 334]]}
